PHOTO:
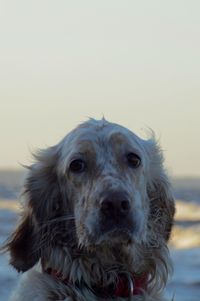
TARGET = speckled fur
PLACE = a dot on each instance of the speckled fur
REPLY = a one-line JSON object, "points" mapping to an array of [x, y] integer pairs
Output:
{"points": [[60, 225]]}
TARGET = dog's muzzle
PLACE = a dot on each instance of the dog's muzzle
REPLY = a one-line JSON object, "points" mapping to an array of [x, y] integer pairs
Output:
{"points": [[116, 214]]}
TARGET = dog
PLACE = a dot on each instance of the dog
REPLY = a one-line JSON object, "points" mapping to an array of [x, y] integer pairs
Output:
{"points": [[97, 213]]}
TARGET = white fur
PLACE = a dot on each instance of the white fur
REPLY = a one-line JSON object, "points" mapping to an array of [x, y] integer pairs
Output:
{"points": [[76, 198]]}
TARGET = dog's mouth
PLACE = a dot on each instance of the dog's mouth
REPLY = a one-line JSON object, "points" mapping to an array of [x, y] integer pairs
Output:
{"points": [[113, 236], [119, 229], [109, 232], [117, 235]]}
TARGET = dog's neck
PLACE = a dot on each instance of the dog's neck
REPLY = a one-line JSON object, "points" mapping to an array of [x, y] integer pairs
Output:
{"points": [[103, 270], [97, 264], [102, 266], [124, 285]]}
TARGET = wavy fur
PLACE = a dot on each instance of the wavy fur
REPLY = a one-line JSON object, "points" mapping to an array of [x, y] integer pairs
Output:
{"points": [[60, 225]]}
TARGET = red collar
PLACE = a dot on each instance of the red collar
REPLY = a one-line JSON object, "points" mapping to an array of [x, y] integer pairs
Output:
{"points": [[133, 286], [124, 288]]}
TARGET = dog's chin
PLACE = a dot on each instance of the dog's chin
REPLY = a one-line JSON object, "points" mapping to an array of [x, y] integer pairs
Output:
{"points": [[115, 236]]}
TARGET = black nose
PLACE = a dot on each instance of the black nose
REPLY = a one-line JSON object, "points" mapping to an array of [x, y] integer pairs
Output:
{"points": [[115, 204]]}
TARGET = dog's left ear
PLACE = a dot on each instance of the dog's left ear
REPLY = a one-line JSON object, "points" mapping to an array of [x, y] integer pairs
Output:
{"points": [[162, 207]]}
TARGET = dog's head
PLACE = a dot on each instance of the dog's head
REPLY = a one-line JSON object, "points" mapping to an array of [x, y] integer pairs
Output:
{"points": [[100, 185]]}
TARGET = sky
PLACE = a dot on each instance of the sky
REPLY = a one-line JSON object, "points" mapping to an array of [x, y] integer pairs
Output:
{"points": [[135, 62]]}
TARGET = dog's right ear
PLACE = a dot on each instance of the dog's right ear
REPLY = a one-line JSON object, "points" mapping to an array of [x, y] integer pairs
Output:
{"points": [[22, 243], [42, 198]]}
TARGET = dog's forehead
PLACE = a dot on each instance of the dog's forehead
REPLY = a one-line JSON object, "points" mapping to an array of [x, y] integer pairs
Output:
{"points": [[103, 133]]}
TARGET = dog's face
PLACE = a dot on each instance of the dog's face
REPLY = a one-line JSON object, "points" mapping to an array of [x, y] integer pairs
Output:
{"points": [[101, 185], [105, 178]]}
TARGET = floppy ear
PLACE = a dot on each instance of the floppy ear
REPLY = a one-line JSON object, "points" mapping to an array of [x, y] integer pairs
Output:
{"points": [[22, 242], [42, 199], [162, 208]]}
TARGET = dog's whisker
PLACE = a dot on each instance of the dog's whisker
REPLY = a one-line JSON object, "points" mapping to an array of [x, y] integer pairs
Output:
{"points": [[58, 219]]}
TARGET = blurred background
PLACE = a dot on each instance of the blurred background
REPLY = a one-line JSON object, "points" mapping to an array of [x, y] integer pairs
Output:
{"points": [[137, 64]]}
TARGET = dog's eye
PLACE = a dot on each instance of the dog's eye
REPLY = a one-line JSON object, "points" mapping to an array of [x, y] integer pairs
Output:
{"points": [[133, 160], [77, 166]]}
